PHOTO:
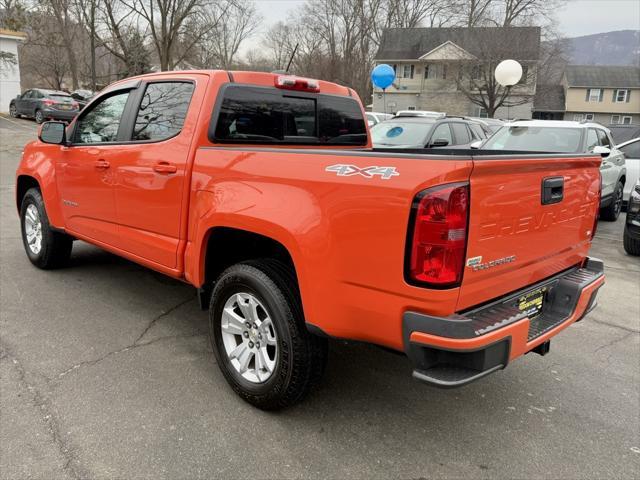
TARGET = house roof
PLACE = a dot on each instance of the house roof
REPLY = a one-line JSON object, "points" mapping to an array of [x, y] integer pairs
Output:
{"points": [[518, 43], [602, 76], [549, 98], [11, 33]]}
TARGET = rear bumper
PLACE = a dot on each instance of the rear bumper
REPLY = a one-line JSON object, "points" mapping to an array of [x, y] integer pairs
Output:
{"points": [[66, 115], [453, 351]]}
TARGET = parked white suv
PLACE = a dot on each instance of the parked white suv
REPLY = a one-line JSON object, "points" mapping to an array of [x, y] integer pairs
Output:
{"points": [[557, 136]]}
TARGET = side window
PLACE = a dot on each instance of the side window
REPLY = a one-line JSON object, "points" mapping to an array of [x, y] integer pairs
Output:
{"points": [[442, 132], [604, 140], [101, 123], [461, 133], [592, 139], [27, 94], [162, 110]]}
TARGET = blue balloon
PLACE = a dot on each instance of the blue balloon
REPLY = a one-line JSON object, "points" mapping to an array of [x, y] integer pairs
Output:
{"points": [[383, 76]]}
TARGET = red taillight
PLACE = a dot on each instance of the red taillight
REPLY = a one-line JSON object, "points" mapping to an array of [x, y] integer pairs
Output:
{"points": [[48, 102], [438, 236], [290, 82]]}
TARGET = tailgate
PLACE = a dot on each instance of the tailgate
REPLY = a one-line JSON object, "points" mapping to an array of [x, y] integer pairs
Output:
{"points": [[521, 232]]}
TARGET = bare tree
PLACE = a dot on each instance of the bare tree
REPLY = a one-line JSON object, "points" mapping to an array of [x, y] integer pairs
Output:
{"points": [[476, 79], [120, 34], [61, 11], [165, 19], [474, 13], [520, 12], [239, 22], [13, 14], [87, 12]]}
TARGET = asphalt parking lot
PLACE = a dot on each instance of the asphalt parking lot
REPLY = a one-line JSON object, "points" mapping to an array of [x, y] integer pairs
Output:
{"points": [[106, 372]]}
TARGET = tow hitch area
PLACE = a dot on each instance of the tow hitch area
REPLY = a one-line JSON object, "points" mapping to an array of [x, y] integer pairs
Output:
{"points": [[543, 348]]}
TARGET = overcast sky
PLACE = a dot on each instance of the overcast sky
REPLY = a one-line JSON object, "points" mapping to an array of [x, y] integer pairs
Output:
{"points": [[578, 17]]}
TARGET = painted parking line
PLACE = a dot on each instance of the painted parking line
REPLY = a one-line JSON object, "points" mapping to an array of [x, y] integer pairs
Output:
{"points": [[17, 123]]}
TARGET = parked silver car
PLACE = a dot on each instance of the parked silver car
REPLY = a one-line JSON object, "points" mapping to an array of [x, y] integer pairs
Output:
{"points": [[556, 136]]}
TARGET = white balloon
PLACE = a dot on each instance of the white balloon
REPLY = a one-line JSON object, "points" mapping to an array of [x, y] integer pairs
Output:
{"points": [[508, 73]]}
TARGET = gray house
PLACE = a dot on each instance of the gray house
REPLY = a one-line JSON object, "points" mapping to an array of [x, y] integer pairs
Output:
{"points": [[434, 66]]}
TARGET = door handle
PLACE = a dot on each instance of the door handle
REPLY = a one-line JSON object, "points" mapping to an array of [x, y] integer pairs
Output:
{"points": [[102, 164], [165, 167], [552, 190]]}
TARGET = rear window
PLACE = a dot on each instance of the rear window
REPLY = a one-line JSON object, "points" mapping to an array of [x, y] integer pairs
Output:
{"points": [[61, 97], [536, 139], [401, 134], [267, 115]]}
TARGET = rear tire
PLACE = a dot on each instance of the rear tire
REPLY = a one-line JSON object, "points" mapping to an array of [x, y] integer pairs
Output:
{"points": [[39, 116], [631, 245], [46, 248], [13, 111], [612, 211], [246, 298]]}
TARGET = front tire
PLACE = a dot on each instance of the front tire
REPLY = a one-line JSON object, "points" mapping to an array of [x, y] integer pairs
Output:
{"points": [[259, 337], [612, 211], [45, 247], [39, 116], [631, 245]]}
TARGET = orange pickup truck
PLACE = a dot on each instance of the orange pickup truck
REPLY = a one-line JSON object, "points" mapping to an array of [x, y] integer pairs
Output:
{"points": [[263, 192]]}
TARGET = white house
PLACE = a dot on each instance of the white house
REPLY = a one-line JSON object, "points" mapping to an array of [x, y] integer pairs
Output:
{"points": [[9, 67]]}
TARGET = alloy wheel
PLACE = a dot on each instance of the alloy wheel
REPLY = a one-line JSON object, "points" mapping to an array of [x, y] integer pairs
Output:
{"points": [[33, 229], [249, 337]]}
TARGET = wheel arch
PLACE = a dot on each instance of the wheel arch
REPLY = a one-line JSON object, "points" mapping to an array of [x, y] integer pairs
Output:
{"points": [[23, 184], [223, 246]]}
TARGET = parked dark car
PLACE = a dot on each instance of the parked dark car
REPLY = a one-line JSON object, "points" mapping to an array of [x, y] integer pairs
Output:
{"points": [[82, 97], [41, 105], [415, 131], [631, 239]]}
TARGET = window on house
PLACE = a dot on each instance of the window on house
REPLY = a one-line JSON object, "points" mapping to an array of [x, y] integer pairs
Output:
{"points": [[577, 117], [525, 73], [615, 119], [408, 71], [435, 71], [480, 112], [620, 95], [627, 120], [594, 95], [589, 117], [404, 71], [477, 72]]}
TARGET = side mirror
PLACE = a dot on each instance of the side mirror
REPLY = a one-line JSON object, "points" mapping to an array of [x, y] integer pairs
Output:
{"points": [[602, 151], [53, 132], [439, 142], [475, 145]]}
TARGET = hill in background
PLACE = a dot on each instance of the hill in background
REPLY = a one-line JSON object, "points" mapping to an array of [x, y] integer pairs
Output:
{"points": [[621, 47]]}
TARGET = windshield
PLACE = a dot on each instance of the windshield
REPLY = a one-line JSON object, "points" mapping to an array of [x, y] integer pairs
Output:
{"points": [[536, 139], [392, 133]]}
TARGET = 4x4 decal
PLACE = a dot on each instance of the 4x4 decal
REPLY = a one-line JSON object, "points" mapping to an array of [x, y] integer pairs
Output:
{"points": [[343, 170]]}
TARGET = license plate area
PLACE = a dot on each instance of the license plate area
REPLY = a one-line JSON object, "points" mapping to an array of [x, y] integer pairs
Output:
{"points": [[532, 302]]}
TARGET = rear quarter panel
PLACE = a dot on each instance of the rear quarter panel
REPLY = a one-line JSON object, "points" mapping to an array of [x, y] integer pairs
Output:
{"points": [[346, 234]]}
